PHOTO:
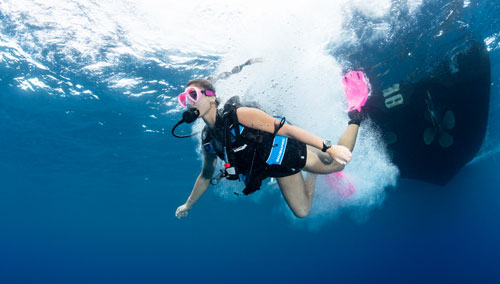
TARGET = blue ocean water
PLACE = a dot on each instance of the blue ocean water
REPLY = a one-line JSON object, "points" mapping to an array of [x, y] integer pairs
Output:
{"points": [[91, 177]]}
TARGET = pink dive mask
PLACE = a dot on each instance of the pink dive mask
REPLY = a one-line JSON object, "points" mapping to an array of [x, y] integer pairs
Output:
{"points": [[192, 94]]}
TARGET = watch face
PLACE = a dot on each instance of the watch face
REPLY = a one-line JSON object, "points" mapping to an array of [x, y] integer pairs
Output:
{"points": [[328, 143]]}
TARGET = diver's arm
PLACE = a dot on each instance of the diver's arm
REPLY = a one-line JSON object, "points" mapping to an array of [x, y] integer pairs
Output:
{"points": [[203, 180], [200, 186], [257, 119]]}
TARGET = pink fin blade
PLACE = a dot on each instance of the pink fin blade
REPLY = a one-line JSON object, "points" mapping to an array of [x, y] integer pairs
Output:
{"points": [[356, 89], [340, 184]]}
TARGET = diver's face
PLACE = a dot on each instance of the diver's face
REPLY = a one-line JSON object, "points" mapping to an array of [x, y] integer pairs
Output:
{"points": [[204, 104]]}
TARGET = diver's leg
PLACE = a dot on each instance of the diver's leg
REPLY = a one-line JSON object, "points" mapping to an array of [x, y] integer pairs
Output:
{"points": [[310, 182], [348, 138], [321, 163], [298, 193]]}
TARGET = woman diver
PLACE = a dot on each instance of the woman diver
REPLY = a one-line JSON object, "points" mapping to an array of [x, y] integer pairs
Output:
{"points": [[255, 145]]}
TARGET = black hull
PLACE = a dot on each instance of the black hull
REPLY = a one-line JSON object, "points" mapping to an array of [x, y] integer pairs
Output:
{"points": [[418, 119]]}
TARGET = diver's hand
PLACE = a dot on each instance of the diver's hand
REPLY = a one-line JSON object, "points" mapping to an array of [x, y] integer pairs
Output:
{"points": [[340, 154], [182, 211]]}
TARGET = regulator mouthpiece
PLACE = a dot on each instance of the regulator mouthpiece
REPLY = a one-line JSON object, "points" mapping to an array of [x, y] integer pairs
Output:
{"points": [[189, 116]]}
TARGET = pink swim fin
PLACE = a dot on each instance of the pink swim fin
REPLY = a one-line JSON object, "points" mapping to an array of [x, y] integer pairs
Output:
{"points": [[340, 184], [356, 89]]}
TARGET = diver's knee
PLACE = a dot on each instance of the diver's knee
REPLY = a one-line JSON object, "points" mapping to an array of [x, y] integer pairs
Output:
{"points": [[301, 212]]}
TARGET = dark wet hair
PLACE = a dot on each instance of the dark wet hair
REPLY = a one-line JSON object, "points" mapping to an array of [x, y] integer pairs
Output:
{"points": [[205, 84]]}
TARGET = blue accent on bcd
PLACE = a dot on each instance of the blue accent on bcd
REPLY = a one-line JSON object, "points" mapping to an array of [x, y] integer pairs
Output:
{"points": [[277, 151], [209, 148], [241, 130]]}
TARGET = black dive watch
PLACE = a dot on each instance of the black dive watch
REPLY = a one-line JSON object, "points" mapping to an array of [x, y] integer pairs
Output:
{"points": [[327, 144]]}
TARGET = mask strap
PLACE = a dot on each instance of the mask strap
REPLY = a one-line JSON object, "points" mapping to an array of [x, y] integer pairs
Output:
{"points": [[209, 93]]}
